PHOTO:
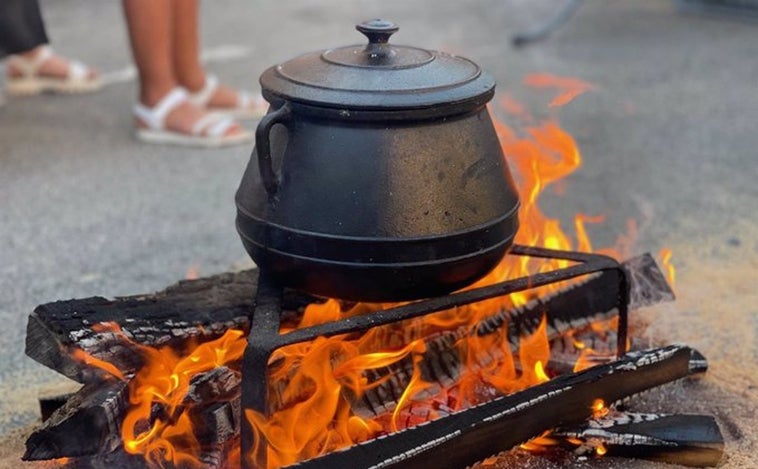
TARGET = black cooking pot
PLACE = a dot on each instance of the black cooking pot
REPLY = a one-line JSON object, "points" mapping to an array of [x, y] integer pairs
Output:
{"points": [[377, 174]]}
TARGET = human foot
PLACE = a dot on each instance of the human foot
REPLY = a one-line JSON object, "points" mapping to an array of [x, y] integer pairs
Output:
{"points": [[40, 70], [227, 101], [175, 120]]}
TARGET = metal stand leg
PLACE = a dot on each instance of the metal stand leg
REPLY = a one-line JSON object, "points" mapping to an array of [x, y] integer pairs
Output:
{"points": [[623, 306], [264, 330]]}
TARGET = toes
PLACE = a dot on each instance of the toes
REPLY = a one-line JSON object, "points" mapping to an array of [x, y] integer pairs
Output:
{"points": [[234, 129]]}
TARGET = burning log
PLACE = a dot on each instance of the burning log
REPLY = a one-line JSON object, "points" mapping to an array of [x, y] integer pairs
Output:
{"points": [[689, 440], [206, 307], [476, 433], [89, 423], [569, 309], [49, 404], [202, 309], [214, 397], [193, 308]]}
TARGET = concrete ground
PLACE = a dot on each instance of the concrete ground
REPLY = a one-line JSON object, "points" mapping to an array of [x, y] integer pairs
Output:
{"points": [[669, 137]]}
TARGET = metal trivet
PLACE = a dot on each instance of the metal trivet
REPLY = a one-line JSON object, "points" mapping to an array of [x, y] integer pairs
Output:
{"points": [[265, 338]]}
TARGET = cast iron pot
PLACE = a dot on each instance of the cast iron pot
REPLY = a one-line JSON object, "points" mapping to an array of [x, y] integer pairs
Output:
{"points": [[377, 174]]}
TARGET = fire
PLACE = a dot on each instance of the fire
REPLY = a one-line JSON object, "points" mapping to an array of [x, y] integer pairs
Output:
{"points": [[599, 409], [540, 443], [668, 267], [315, 385], [568, 87], [158, 424], [84, 357]]}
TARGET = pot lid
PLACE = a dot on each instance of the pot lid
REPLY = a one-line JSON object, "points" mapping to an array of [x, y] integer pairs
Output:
{"points": [[379, 76]]}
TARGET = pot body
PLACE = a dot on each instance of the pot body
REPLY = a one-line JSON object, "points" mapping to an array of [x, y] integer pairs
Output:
{"points": [[376, 207]]}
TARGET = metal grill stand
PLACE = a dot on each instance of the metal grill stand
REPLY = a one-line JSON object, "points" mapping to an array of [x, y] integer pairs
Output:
{"points": [[265, 338]]}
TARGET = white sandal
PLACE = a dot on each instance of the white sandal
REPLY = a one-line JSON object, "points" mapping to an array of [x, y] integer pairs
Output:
{"points": [[248, 106], [209, 131], [77, 79]]}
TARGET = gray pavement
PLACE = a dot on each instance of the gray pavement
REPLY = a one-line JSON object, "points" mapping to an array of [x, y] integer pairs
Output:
{"points": [[669, 137]]}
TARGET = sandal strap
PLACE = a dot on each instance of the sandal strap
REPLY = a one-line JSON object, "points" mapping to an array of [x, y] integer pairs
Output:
{"points": [[30, 66], [203, 97], [221, 127], [204, 122], [77, 70], [155, 117], [244, 99], [212, 125]]}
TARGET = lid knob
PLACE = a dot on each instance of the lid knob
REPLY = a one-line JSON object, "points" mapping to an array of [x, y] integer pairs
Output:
{"points": [[378, 33]]}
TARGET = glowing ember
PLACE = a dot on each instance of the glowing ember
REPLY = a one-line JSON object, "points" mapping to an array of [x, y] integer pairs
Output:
{"points": [[599, 409], [539, 444]]}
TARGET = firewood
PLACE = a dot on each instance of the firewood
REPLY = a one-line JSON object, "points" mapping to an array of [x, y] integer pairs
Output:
{"points": [[688, 440], [476, 433], [89, 423], [214, 406], [569, 309], [203, 308], [49, 404], [218, 384]]}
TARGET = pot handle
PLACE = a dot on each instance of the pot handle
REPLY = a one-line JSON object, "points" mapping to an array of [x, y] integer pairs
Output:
{"points": [[263, 146]]}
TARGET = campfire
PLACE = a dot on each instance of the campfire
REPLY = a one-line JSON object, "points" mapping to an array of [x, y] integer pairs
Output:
{"points": [[208, 374]]}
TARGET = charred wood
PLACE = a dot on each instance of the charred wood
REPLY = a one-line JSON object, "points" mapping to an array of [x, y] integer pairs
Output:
{"points": [[88, 423], [193, 308], [476, 433], [203, 309], [218, 384], [688, 440], [213, 402], [648, 284], [570, 309], [49, 404]]}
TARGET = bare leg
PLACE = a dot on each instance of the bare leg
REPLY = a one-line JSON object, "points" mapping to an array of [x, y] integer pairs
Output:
{"points": [[186, 37], [151, 25], [186, 53]]}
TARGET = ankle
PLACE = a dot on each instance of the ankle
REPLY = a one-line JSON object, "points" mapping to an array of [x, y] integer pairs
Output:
{"points": [[194, 81], [150, 94], [32, 53]]}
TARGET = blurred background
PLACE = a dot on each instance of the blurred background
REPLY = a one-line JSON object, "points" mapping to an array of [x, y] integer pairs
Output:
{"points": [[668, 137]]}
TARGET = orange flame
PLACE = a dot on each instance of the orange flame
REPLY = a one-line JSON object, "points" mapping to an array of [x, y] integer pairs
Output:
{"points": [[164, 380], [568, 88], [84, 357], [599, 409], [540, 443], [668, 267]]}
